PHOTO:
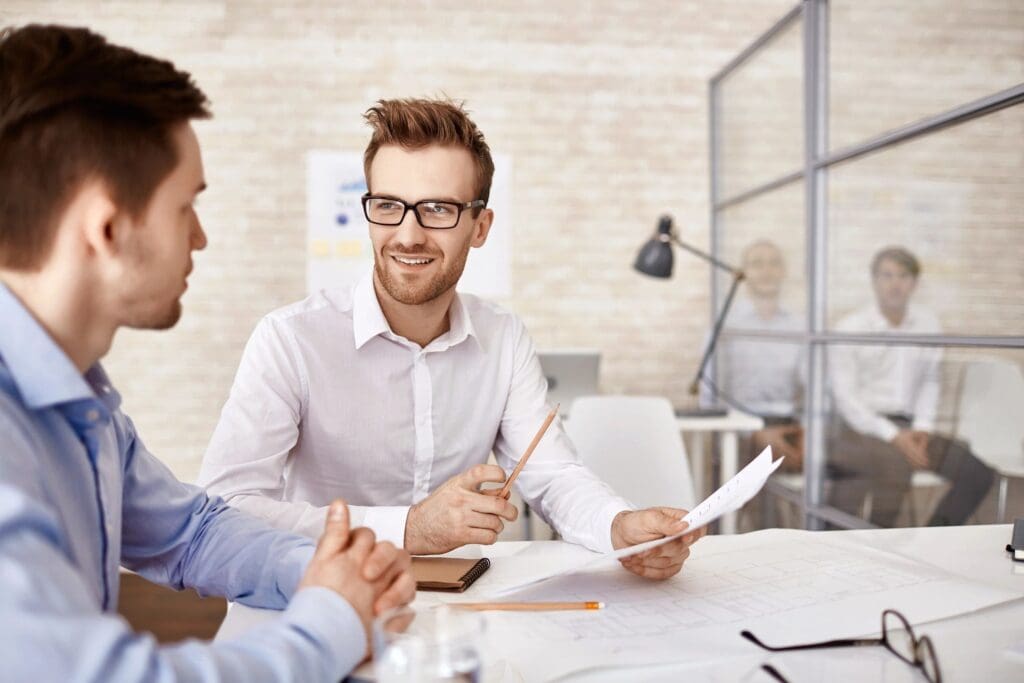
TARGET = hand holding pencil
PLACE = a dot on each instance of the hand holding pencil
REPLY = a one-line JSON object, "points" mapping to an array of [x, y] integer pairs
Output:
{"points": [[458, 512], [506, 490]]}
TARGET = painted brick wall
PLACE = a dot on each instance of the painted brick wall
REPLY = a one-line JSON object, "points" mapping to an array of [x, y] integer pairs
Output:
{"points": [[602, 105]]}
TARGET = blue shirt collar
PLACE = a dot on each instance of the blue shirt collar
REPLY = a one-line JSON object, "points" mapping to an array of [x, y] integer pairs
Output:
{"points": [[42, 372]]}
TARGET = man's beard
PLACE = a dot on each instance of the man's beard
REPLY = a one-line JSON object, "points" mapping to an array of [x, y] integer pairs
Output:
{"points": [[423, 292], [146, 303], [161, 319]]}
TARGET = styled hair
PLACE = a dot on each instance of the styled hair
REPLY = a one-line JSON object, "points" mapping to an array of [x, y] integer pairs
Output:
{"points": [[899, 255], [417, 123], [74, 107]]}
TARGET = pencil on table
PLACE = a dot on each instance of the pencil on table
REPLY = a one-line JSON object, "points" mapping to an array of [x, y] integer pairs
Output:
{"points": [[527, 606], [506, 490]]}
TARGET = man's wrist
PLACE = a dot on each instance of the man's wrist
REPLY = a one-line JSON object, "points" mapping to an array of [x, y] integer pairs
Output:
{"points": [[618, 538]]}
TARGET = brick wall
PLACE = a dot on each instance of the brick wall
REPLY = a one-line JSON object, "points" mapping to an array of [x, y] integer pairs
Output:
{"points": [[602, 105]]}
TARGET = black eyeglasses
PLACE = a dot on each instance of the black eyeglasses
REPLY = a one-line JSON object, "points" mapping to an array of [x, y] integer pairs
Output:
{"points": [[897, 637], [430, 213]]}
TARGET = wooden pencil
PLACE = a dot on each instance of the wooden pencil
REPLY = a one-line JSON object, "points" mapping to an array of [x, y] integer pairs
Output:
{"points": [[526, 606], [506, 490]]}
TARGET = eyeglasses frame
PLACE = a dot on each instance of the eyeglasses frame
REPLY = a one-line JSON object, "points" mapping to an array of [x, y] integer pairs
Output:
{"points": [[365, 199], [919, 645]]}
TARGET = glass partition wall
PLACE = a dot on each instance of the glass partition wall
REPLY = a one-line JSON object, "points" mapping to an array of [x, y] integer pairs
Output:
{"points": [[867, 172]]}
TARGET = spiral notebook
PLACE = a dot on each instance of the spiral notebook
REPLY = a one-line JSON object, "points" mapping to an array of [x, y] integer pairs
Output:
{"points": [[447, 573]]}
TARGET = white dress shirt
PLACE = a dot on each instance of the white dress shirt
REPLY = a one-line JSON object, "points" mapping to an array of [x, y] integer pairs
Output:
{"points": [[762, 376], [328, 402], [871, 381]]}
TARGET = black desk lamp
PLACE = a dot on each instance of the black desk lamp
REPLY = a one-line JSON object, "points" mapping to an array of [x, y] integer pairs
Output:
{"points": [[655, 259]]}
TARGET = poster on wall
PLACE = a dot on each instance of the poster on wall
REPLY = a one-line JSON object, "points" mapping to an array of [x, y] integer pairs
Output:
{"points": [[338, 248]]}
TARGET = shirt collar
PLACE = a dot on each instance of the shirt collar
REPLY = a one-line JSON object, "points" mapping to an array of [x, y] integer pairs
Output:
{"points": [[460, 323], [368, 319], [882, 323], [42, 372]]}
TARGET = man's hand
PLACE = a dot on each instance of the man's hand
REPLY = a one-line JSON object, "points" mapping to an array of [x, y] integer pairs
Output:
{"points": [[630, 528], [787, 440], [914, 447], [370, 576], [457, 513]]}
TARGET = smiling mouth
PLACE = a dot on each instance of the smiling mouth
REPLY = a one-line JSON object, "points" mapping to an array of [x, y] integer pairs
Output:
{"points": [[412, 260]]}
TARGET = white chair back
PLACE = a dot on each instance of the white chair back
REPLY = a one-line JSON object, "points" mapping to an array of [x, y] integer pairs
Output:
{"points": [[990, 416], [633, 443]]}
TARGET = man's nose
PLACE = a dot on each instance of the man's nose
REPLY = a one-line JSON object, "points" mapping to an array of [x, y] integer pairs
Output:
{"points": [[199, 240], [409, 232]]}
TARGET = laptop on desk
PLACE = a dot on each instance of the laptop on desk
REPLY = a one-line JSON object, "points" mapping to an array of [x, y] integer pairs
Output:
{"points": [[570, 373]]}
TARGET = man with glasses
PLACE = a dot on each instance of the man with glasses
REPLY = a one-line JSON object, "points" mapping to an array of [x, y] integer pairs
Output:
{"points": [[393, 393]]}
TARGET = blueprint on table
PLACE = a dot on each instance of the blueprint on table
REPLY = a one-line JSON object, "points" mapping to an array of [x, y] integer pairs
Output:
{"points": [[794, 587]]}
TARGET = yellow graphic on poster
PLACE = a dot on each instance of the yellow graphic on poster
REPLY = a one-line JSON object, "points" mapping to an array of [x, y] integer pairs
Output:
{"points": [[337, 236]]}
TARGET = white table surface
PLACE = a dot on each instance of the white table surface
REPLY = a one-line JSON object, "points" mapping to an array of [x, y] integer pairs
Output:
{"points": [[727, 427], [733, 421], [970, 647]]}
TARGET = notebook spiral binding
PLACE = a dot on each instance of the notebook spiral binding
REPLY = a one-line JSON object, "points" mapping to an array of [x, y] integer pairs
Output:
{"points": [[475, 571]]}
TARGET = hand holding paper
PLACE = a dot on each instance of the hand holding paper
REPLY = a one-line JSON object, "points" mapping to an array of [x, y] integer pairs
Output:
{"points": [[638, 526], [731, 496]]}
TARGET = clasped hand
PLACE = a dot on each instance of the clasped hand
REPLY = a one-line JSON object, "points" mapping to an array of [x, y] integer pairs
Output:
{"points": [[371, 576]]}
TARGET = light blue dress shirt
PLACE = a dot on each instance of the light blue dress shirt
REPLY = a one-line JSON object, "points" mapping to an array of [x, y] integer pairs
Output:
{"points": [[80, 495]]}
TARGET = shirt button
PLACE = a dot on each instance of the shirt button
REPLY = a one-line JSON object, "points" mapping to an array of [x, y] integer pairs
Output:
{"points": [[92, 415]]}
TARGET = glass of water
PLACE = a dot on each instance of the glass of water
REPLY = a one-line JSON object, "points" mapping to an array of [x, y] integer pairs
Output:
{"points": [[428, 645]]}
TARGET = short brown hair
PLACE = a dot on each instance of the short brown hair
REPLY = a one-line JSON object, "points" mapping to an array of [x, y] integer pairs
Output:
{"points": [[75, 107], [416, 123], [898, 255]]}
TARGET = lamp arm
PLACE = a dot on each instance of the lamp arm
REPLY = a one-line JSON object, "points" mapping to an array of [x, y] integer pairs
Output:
{"points": [[736, 273], [737, 278]]}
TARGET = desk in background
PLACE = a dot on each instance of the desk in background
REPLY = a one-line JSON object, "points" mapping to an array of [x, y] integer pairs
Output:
{"points": [[970, 647], [727, 427]]}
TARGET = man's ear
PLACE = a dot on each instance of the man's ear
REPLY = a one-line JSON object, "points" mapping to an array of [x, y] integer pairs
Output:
{"points": [[481, 228], [101, 225]]}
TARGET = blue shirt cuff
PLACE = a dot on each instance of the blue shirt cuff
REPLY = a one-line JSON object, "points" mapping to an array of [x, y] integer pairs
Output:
{"points": [[295, 569], [328, 619]]}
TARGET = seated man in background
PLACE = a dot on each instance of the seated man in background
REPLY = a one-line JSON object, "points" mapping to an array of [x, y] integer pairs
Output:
{"points": [[99, 171], [761, 376], [394, 392], [886, 398]]}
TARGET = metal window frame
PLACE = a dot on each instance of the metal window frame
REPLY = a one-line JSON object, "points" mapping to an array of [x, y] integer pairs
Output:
{"points": [[817, 160]]}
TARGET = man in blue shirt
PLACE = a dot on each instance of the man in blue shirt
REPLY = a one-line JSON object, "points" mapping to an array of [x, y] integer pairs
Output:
{"points": [[99, 170]]}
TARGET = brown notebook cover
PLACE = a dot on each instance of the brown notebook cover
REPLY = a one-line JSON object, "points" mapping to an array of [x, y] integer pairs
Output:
{"points": [[447, 573]]}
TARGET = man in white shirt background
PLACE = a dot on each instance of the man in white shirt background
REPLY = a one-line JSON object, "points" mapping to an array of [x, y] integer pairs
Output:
{"points": [[886, 398], [394, 392], [762, 376]]}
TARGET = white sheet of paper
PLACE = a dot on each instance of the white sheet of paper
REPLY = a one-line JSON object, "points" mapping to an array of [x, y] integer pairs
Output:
{"points": [[731, 496]]}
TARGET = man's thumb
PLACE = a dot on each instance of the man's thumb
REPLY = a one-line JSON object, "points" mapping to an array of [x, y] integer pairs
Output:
{"points": [[669, 520], [336, 530]]}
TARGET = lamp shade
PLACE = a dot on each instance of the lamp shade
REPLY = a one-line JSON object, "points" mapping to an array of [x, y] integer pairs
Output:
{"points": [[655, 257]]}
